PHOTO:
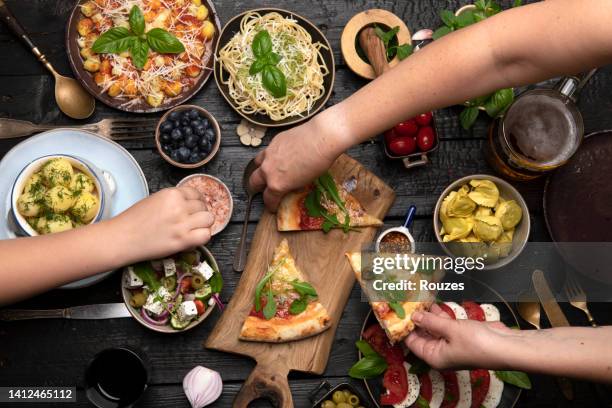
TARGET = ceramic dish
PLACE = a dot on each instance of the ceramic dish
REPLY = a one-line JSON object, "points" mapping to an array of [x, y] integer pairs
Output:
{"points": [[233, 26], [131, 184], [103, 181], [125, 292], [217, 197], [507, 192], [510, 395], [87, 80]]}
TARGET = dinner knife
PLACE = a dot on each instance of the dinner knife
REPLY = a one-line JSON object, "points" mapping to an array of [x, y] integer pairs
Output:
{"points": [[556, 317], [100, 311]]}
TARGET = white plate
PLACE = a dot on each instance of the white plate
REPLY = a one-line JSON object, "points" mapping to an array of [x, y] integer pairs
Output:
{"points": [[103, 153]]}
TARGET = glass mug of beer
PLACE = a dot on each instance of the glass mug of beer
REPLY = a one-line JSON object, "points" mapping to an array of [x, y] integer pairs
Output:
{"points": [[539, 132]]}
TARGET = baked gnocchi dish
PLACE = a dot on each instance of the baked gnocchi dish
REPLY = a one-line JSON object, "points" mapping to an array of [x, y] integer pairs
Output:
{"points": [[58, 197], [154, 50]]}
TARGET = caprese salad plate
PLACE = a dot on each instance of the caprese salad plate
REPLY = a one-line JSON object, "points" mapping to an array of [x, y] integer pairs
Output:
{"points": [[409, 382]]}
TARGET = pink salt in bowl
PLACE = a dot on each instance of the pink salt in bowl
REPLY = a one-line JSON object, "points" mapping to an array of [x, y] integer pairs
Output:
{"points": [[216, 196]]}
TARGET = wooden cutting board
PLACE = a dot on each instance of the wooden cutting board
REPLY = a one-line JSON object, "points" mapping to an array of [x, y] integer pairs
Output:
{"points": [[321, 258]]}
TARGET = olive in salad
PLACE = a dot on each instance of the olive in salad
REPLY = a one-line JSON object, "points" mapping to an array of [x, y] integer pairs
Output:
{"points": [[173, 291]]}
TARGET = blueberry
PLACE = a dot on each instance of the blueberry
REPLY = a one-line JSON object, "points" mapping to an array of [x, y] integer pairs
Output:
{"points": [[166, 126], [194, 158], [165, 138], [195, 123], [194, 114], [176, 123], [191, 141], [176, 134], [183, 154], [185, 121], [174, 115], [210, 136], [187, 131], [181, 143], [174, 155], [205, 123], [166, 148], [200, 130], [205, 146]]}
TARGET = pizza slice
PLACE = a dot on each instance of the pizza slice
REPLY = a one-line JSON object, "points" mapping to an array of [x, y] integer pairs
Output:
{"points": [[285, 306], [322, 206], [397, 327]]}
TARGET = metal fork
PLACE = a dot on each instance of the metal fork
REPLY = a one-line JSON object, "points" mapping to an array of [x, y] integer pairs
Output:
{"points": [[114, 129], [577, 298]]}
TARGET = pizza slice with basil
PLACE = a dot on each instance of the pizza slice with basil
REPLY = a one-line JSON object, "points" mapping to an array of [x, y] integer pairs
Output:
{"points": [[322, 206], [394, 316], [285, 306]]}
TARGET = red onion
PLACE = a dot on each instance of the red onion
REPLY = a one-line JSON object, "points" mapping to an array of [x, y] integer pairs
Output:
{"points": [[217, 300], [178, 283], [152, 321]]}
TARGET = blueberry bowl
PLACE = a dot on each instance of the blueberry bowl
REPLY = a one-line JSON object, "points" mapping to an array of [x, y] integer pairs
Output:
{"points": [[188, 136]]}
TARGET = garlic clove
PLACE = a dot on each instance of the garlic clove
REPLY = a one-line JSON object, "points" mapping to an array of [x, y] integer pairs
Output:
{"points": [[202, 386], [421, 35], [243, 128], [245, 139], [255, 142]]}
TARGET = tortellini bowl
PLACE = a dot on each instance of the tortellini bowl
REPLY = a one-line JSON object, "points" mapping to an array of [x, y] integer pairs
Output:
{"points": [[60, 192], [485, 216]]}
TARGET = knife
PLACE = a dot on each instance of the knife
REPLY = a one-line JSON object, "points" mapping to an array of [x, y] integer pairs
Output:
{"points": [[101, 311], [556, 317]]}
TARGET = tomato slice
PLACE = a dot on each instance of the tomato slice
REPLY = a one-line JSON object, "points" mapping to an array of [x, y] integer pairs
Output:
{"points": [[426, 390], [473, 310], [199, 306], [376, 337], [480, 381], [451, 389], [447, 309], [396, 383]]}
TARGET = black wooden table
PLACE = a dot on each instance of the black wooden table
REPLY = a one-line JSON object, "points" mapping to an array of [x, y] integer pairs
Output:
{"points": [[55, 352]]}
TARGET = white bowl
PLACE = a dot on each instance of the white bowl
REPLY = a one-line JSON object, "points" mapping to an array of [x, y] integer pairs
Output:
{"points": [[105, 186]]}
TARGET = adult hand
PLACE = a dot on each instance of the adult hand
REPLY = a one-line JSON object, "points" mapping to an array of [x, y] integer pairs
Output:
{"points": [[297, 156], [447, 343], [168, 221]]}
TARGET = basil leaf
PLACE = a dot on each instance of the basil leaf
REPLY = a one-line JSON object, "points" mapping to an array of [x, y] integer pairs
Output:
{"points": [[404, 51], [468, 116], [368, 367], [260, 287], [386, 37], [419, 367], [145, 271], [465, 19], [398, 309], [448, 18], [113, 41], [441, 32], [274, 81], [479, 16], [327, 226], [163, 42], [518, 378], [492, 9], [257, 66], [270, 308], [499, 101], [365, 348], [137, 23], [298, 306], [139, 50], [517, 3], [272, 58], [304, 288], [216, 282], [422, 402], [480, 5], [262, 44]]}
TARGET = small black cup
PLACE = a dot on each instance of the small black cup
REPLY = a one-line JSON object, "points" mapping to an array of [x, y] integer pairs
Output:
{"points": [[115, 378]]}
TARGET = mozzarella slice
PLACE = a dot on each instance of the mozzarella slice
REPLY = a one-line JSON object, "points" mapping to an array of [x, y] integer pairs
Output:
{"points": [[459, 311], [437, 388], [414, 388], [491, 312], [494, 395], [465, 389]]}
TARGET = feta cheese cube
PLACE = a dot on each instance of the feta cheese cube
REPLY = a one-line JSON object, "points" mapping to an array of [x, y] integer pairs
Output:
{"points": [[205, 270], [169, 267], [164, 294], [132, 281], [153, 305], [187, 310]]}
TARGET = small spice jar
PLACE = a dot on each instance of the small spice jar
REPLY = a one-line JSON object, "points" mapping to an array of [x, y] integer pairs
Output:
{"points": [[398, 239]]}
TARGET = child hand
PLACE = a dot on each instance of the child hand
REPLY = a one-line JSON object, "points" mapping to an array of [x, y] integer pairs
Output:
{"points": [[167, 222]]}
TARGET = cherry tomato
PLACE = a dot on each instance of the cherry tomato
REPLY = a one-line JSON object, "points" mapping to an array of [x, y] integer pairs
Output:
{"points": [[424, 119], [426, 138], [185, 285], [396, 383], [401, 146], [199, 306], [389, 136], [407, 128]]}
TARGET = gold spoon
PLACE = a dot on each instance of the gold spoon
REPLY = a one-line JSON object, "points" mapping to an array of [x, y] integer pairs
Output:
{"points": [[70, 96]]}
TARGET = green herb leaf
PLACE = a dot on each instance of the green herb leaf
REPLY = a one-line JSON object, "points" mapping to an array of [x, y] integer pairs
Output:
{"points": [[441, 32], [163, 42], [270, 308], [404, 51], [419, 367], [386, 37], [272, 58], [517, 3], [465, 19], [216, 282], [114, 41], [368, 367], [260, 287], [468, 116], [398, 309], [145, 271], [327, 183], [480, 5], [518, 378], [262, 44], [499, 101], [312, 202], [492, 9], [422, 402], [139, 50], [257, 66], [448, 18], [274, 81], [298, 305], [479, 16], [304, 288], [137, 22], [365, 348]]}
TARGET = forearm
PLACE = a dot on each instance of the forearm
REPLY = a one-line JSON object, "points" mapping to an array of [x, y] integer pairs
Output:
{"points": [[33, 265], [516, 47], [581, 352]]}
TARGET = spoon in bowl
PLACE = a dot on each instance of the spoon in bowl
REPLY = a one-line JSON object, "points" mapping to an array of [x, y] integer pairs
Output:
{"points": [[240, 257], [70, 96]]}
